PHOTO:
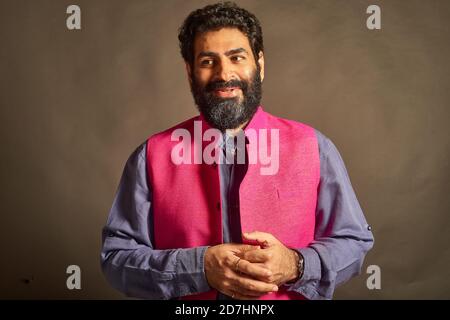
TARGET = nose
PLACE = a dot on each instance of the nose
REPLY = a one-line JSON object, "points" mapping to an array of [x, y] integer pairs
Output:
{"points": [[225, 71]]}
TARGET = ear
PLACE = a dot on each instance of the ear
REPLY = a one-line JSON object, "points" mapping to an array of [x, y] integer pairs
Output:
{"points": [[189, 72], [261, 64]]}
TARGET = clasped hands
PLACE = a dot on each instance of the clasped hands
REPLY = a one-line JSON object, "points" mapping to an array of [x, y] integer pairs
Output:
{"points": [[245, 271]]}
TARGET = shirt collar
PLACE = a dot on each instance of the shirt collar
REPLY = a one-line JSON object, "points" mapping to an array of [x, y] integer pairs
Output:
{"points": [[258, 121]]}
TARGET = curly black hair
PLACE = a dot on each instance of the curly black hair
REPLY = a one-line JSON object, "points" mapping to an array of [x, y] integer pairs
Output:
{"points": [[217, 16]]}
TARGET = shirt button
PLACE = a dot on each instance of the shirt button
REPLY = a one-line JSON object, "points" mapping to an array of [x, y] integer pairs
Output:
{"points": [[369, 228]]}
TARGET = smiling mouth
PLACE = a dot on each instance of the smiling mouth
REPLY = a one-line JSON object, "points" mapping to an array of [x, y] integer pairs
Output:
{"points": [[227, 92]]}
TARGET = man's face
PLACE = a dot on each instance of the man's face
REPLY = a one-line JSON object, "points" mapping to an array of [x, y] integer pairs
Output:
{"points": [[225, 78]]}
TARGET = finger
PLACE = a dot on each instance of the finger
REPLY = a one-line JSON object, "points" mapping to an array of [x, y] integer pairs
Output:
{"points": [[248, 293], [254, 270], [257, 256], [241, 296], [244, 284], [263, 238], [248, 247], [241, 248]]}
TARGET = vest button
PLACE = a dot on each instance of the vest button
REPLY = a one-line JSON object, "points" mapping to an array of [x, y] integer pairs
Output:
{"points": [[218, 206]]}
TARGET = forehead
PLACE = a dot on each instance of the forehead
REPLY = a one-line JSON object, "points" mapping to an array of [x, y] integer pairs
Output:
{"points": [[221, 41]]}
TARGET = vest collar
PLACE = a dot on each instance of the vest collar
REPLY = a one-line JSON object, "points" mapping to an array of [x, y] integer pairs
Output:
{"points": [[258, 121]]}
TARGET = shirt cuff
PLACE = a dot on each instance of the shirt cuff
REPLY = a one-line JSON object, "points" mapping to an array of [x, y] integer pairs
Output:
{"points": [[307, 284], [311, 264], [190, 271]]}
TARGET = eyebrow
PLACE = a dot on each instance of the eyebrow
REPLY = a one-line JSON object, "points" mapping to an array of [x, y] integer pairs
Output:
{"points": [[228, 53]]}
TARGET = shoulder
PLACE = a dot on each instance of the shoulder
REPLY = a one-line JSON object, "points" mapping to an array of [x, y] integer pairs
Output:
{"points": [[288, 124], [138, 155], [325, 144], [330, 157], [292, 126]]}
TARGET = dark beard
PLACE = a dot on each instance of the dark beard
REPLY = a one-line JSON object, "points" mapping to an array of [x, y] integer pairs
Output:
{"points": [[228, 113]]}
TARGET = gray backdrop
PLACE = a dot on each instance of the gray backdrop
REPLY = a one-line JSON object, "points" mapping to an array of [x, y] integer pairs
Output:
{"points": [[75, 104]]}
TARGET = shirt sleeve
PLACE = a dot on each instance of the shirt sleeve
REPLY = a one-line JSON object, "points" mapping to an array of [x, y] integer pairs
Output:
{"points": [[342, 236], [128, 259]]}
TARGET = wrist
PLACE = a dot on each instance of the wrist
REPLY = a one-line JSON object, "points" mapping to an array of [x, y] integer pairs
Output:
{"points": [[207, 261], [298, 266]]}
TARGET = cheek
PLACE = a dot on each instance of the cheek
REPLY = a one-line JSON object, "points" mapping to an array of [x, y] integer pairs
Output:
{"points": [[247, 73], [202, 77]]}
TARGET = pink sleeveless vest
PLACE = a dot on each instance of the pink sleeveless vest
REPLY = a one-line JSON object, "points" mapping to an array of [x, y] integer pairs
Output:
{"points": [[186, 197]]}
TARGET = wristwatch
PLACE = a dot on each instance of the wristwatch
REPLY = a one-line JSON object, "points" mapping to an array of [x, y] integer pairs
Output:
{"points": [[300, 265]]}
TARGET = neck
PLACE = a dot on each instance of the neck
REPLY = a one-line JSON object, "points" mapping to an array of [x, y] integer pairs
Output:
{"points": [[233, 132]]}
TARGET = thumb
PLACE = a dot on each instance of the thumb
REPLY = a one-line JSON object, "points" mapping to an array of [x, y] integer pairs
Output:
{"points": [[262, 238], [248, 247], [242, 248]]}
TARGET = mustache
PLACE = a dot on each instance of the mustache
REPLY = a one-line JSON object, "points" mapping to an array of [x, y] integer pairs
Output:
{"points": [[215, 85]]}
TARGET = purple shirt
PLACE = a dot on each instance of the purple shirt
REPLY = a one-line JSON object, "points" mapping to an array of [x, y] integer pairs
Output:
{"points": [[131, 264]]}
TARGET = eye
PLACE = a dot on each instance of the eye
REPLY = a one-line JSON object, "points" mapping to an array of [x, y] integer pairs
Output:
{"points": [[206, 62], [237, 58]]}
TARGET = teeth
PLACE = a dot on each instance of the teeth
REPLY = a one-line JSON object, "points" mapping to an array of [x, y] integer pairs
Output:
{"points": [[226, 90]]}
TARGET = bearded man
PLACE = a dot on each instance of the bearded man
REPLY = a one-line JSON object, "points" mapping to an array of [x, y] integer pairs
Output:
{"points": [[226, 229]]}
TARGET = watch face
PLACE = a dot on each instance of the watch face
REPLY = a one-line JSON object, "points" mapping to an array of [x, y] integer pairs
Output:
{"points": [[300, 266]]}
